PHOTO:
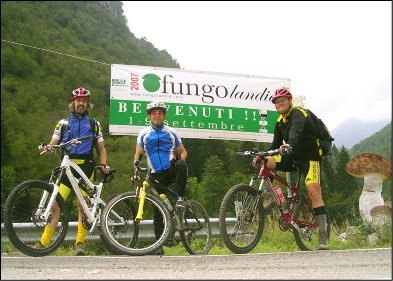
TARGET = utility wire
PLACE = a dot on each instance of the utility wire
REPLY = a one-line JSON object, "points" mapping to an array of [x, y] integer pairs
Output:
{"points": [[53, 52]]}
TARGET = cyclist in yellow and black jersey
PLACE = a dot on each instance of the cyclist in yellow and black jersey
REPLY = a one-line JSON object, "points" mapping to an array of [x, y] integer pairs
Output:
{"points": [[295, 135]]}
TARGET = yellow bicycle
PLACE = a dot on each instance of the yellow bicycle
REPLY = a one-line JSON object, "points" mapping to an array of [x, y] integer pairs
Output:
{"points": [[128, 227]]}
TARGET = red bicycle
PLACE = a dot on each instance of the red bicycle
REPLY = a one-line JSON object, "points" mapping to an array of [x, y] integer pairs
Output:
{"points": [[241, 217]]}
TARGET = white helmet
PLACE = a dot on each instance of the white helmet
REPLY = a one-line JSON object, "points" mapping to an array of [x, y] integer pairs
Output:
{"points": [[156, 105]]}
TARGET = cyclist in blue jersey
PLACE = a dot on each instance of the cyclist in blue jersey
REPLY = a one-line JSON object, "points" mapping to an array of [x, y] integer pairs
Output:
{"points": [[78, 125], [165, 155]]}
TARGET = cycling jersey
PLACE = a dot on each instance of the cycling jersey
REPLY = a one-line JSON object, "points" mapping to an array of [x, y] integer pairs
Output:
{"points": [[297, 129], [159, 145], [78, 127]]}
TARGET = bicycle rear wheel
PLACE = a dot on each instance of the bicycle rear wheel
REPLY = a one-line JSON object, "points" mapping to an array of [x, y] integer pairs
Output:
{"points": [[307, 239], [22, 218], [239, 228], [122, 233], [196, 233]]}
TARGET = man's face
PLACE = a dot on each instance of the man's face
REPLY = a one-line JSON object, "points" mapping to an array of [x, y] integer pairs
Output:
{"points": [[282, 104], [157, 117], [80, 105]]}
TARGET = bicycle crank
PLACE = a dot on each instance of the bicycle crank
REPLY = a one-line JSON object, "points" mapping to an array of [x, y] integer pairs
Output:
{"points": [[282, 224]]}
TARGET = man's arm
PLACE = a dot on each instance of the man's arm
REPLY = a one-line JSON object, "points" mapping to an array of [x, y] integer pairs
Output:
{"points": [[102, 152], [138, 152], [52, 142], [137, 157], [182, 151]]}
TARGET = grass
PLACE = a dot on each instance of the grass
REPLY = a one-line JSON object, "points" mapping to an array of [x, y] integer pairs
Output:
{"points": [[272, 240]]}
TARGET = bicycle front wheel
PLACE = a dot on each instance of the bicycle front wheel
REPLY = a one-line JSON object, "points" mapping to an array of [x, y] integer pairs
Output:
{"points": [[196, 233], [124, 234], [240, 226], [22, 218], [307, 239]]}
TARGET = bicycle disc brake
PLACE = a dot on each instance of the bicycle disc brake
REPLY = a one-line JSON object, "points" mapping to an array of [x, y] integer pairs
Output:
{"points": [[35, 218]]}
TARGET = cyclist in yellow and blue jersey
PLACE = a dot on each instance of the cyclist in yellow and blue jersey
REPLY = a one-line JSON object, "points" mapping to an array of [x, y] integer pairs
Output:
{"points": [[165, 155], [78, 125], [295, 135]]}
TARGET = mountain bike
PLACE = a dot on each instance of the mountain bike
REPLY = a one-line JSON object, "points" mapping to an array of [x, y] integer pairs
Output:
{"points": [[242, 216], [31, 204], [136, 211]]}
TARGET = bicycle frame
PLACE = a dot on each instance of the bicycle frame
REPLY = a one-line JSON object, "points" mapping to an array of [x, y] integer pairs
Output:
{"points": [[141, 192], [66, 166], [292, 191]]}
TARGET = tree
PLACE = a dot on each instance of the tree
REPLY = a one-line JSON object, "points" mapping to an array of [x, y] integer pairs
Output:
{"points": [[214, 184], [343, 196]]}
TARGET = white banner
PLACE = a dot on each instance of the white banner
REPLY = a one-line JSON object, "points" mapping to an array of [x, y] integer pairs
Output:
{"points": [[200, 104]]}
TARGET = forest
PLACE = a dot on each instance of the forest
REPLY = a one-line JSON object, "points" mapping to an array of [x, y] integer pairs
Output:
{"points": [[49, 48]]}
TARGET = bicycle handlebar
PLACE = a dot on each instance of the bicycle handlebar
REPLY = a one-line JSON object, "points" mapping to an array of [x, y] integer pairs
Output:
{"points": [[73, 142], [258, 153]]}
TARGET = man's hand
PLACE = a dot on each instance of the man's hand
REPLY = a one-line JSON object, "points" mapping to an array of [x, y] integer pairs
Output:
{"points": [[105, 168], [285, 149], [174, 159], [135, 179]]}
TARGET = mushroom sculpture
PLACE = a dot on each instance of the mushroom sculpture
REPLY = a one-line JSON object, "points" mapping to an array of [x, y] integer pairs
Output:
{"points": [[374, 168]]}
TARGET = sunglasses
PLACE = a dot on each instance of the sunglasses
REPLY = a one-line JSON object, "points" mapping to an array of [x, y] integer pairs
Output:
{"points": [[158, 113]]}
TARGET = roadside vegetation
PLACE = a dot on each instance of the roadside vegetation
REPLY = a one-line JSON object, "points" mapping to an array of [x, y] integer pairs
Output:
{"points": [[273, 240]]}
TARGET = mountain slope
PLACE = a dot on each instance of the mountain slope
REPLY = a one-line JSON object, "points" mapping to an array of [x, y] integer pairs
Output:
{"points": [[379, 143], [353, 131]]}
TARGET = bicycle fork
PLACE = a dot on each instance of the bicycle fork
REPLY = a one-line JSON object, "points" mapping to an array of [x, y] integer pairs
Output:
{"points": [[141, 200], [46, 215]]}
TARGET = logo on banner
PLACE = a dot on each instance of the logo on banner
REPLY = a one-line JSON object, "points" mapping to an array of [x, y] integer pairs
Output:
{"points": [[119, 82], [151, 82]]}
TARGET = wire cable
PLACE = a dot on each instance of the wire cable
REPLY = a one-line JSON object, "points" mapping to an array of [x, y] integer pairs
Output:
{"points": [[24, 45]]}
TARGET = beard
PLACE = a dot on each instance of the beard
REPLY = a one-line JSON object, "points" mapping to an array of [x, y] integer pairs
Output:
{"points": [[80, 110]]}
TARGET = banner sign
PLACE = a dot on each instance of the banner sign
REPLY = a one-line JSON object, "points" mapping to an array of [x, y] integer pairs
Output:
{"points": [[206, 105]]}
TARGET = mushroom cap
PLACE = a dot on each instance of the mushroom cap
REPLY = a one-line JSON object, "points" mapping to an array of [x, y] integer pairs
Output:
{"points": [[369, 164]]}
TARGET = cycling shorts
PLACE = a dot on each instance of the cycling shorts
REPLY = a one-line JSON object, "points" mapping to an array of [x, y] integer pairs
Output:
{"points": [[87, 167], [310, 168]]}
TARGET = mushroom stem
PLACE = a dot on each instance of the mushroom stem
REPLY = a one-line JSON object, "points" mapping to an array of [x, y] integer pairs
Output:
{"points": [[371, 196]]}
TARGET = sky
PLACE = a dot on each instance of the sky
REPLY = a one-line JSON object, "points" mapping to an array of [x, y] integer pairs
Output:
{"points": [[338, 54]]}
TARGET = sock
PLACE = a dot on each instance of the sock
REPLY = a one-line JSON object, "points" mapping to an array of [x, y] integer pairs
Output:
{"points": [[47, 236], [321, 219], [319, 211], [81, 235]]}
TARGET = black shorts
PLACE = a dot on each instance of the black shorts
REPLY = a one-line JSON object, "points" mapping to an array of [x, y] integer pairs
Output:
{"points": [[310, 169], [87, 167]]}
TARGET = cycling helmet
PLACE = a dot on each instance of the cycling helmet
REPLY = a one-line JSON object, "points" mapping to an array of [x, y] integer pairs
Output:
{"points": [[156, 105], [80, 93], [283, 92]]}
